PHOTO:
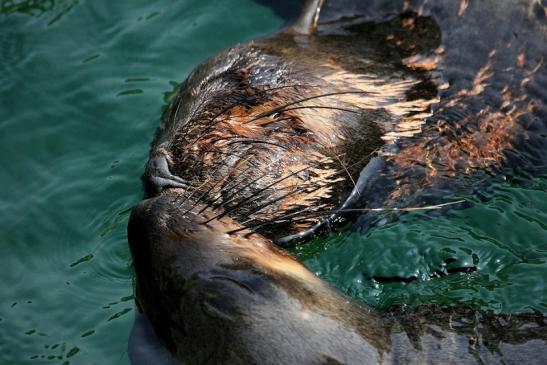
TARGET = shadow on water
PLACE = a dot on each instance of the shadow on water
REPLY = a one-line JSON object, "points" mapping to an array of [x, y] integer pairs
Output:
{"points": [[285, 9]]}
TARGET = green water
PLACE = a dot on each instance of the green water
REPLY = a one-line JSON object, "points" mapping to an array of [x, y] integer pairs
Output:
{"points": [[82, 85]]}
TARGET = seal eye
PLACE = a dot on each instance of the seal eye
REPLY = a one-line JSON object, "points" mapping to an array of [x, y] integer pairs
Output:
{"points": [[300, 130]]}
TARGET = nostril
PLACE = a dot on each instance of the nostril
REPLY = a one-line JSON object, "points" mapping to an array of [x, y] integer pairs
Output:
{"points": [[158, 177], [158, 163]]}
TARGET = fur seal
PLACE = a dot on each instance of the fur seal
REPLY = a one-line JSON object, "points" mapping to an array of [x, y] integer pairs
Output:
{"points": [[378, 106]]}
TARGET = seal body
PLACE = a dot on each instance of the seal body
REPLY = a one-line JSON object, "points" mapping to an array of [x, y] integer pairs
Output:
{"points": [[401, 104]]}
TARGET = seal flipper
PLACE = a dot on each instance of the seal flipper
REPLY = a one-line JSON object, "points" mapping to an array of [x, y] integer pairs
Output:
{"points": [[144, 346], [306, 23]]}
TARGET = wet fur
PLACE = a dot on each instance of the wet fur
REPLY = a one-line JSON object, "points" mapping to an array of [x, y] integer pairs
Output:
{"points": [[408, 104], [329, 114]]}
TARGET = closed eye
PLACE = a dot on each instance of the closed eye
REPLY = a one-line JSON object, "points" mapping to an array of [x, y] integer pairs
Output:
{"points": [[233, 281]]}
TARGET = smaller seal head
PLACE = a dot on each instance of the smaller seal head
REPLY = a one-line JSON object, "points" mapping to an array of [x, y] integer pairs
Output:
{"points": [[210, 295]]}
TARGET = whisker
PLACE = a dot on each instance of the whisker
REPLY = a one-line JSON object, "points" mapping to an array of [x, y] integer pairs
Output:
{"points": [[191, 195], [193, 167], [345, 169], [170, 116], [179, 102], [276, 121], [218, 183], [233, 196], [323, 107], [287, 215], [256, 194], [205, 193], [192, 119], [212, 121], [235, 181], [236, 184], [248, 140], [221, 152], [264, 205], [308, 215], [284, 107]]}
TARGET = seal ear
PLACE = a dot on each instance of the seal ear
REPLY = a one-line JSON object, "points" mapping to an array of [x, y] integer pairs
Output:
{"points": [[306, 23]]}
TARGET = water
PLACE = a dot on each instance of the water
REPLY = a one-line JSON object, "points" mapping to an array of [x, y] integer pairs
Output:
{"points": [[82, 86]]}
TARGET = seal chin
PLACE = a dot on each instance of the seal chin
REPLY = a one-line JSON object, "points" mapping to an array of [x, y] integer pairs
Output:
{"points": [[145, 347]]}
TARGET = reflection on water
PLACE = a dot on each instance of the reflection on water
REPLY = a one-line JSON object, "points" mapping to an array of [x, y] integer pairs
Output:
{"points": [[80, 98]]}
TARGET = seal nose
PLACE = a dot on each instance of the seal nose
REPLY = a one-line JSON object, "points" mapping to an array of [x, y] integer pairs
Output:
{"points": [[157, 176]]}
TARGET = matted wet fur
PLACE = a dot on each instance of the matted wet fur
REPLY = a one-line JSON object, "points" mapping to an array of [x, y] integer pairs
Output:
{"points": [[351, 110]]}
